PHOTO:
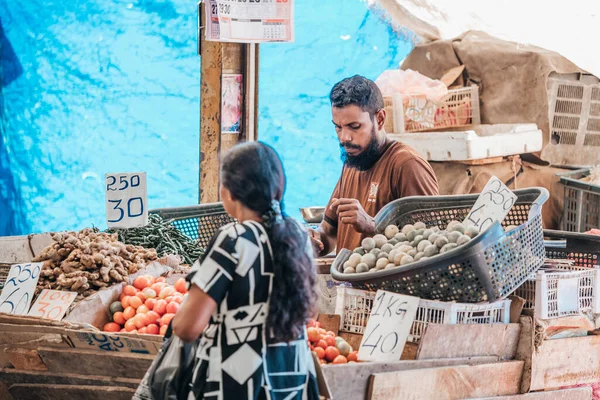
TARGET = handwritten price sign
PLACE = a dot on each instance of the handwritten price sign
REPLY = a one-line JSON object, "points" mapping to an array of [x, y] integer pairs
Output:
{"points": [[126, 200], [19, 288], [493, 204], [52, 304], [388, 327]]}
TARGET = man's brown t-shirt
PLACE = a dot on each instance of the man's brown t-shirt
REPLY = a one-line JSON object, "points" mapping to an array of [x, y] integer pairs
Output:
{"points": [[400, 172]]}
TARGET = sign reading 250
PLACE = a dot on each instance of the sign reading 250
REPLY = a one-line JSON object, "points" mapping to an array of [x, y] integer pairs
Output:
{"points": [[126, 200]]}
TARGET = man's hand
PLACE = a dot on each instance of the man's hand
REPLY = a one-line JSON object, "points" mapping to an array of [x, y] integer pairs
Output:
{"points": [[351, 212], [317, 242]]}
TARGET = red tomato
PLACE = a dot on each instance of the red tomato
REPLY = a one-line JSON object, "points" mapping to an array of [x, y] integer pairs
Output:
{"points": [[157, 287], [330, 333], [181, 285], [313, 334], [129, 290], [142, 309], [161, 307], [163, 330], [173, 307], [311, 323], [123, 330], [143, 330], [331, 353], [129, 313], [166, 319], [149, 293], [177, 299], [320, 352], [152, 317], [166, 292], [142, 282], [153, 329], [135, 302], [119, 318], [112, 327], [161, 279], [140, 321], [125, 301], [150, 303], [330, 340], [141, 296], [353, 356], [322, 344], [340, 360], [130, 325]]}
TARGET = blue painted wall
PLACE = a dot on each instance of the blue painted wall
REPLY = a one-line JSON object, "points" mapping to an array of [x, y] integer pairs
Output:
{"points": [[89, 87]]}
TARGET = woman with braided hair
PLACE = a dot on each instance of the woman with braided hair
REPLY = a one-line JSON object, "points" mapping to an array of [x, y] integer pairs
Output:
{"points": [[252, 294]]}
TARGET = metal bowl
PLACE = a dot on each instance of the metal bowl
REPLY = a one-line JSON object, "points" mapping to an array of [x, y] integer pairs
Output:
{"points": [[312, 215]]}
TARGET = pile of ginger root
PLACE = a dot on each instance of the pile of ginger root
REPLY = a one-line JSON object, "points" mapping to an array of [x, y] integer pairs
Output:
{"points": [[87, 261]]}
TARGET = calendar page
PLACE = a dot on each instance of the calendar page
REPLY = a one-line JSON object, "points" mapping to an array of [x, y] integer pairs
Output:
{"points": [[250, 21]]}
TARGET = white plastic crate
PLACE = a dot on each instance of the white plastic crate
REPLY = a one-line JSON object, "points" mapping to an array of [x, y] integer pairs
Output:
{"points": [[460, 107], [560, 294], [354, 307], [483, 141]]}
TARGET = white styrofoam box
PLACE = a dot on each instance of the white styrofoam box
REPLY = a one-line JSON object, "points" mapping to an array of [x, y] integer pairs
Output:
{"points": [[354, 307], [22, 249], [327, 293], [482, 141], [560, 294]]}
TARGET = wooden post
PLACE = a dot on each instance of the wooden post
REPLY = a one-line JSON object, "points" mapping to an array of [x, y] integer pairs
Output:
{"points": [[218, 59]]}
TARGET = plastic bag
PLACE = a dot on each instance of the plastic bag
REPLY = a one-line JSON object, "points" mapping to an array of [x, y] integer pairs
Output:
{"points": [[411, 83]]}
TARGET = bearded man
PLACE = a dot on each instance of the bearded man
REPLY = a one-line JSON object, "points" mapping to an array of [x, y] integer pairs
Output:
{"points": [[377, 170]]}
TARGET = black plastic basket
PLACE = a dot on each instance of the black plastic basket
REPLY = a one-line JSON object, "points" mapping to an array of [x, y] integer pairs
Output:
{"points": [[582, 202], [488, 268], [583, 249], [199, 221]]}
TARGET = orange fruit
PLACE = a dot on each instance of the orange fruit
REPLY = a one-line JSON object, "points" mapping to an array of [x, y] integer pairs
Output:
{"points": [[142, 282], [125, 301], [320, 352], [330, 340], [130, 325], [135, 302], [111, 327], [181, 285], [340, 360], [331, 353], [322, 344], [150, 303], [119, 318], [152, 317], [173, 307], [165, 320], [313, 334], [160, 307], [153, 329], [129, 313], [353, 356], [129, 290], [163, 330], [142, 309], [140, 321]]}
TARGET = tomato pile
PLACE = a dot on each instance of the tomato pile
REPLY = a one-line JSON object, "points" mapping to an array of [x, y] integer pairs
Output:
{"points": [[147, 306], [329, 348]]}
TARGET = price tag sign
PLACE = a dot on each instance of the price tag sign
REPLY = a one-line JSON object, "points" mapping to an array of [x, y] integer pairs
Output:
{"points": [[391, 318], [52, 304], [126, 200], [19, 288], [493, 204]]}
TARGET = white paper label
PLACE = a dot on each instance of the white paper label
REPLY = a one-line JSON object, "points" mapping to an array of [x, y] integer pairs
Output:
{"points": [[19, 288], [126, 200], [391, 318], [52, 304], [250, 21], [493, 204], [567, 295]]}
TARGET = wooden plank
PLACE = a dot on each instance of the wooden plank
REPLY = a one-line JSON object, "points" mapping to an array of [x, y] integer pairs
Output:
{"points": [[453, 341], [210, 117], [483, 161], [410, 351], [11, 377], [448, 383], [353, 339], [89, 362], [330, 322], [26, 359], [67, 392], [582, 393], [351, 381], [566, 362], [525, 350]]}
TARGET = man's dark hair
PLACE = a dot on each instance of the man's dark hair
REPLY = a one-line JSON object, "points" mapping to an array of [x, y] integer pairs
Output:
{"points": [[357, 90]]}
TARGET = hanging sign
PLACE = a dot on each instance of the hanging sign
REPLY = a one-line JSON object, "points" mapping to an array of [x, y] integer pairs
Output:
{"points": [[126, 200], [52, 304], [250, 21], [388, 327], [19, 288], [493, 204]]}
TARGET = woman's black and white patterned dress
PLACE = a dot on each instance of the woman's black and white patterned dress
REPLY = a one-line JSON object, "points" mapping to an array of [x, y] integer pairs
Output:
{"points": [[235, 359]]}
